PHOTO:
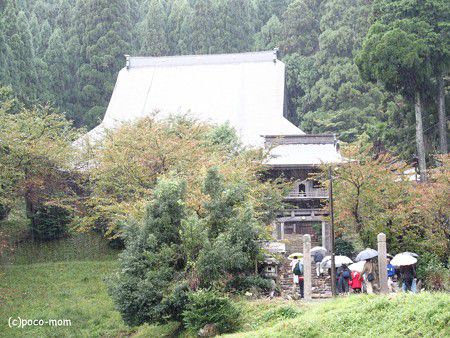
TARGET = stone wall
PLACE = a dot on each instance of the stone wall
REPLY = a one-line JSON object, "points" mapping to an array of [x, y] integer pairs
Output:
{"points": [[294, 243], [321, 286]]}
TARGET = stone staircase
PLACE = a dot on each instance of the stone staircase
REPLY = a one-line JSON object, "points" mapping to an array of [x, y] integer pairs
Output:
{"points": [[321, 286]]}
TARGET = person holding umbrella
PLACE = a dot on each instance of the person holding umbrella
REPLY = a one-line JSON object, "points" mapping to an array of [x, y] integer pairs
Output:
{"points": [[366, 254], [370, 272], [355, 277], [343, 277], [318, 253], [409, 278], [297, 270], [370, 269], [408, 275]]}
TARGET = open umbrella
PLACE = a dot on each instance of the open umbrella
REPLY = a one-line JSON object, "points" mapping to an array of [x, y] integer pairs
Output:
{"points": [[298, 254], [403, 259], [411, 254], [318, 249], [368, 253], [338, 260], [358, 267]]}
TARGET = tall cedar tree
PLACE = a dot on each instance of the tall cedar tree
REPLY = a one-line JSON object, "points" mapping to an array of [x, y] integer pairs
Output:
{"points": [[103, 28], [398, 55], [19, 52], [203, 27], [57, 61], [437, 14], [153, 30], [179, 28]]}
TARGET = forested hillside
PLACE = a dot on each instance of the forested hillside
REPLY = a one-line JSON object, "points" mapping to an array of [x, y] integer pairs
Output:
{"points": [[67, 53]]}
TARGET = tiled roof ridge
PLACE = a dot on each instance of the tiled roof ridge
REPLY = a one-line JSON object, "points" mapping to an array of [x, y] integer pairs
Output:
{"points": [[202, 59], [301, 139]]}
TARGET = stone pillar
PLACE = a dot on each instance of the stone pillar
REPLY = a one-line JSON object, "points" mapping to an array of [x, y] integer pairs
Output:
{"points": [[282, 230], [326, 236], [307, 267], [382, 263]]}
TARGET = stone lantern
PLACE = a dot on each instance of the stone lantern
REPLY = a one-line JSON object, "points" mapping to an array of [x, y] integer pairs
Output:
{"points": [[270, 268]]}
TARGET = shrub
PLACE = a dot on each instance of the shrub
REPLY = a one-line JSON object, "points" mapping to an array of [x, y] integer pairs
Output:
{"points": [[177, 301], [4, 212], [141, 287], [344, 247], [438, 279], [50, 222], [433, 272], [207, 307], [244, 283]]}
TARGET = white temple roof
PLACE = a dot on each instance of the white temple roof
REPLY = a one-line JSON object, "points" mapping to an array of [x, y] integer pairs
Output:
{"points": [[244, 89], [303, 154], [302, 150]]}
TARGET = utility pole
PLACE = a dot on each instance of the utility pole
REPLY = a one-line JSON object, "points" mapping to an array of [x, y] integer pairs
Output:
{"points": [[333, 263]]}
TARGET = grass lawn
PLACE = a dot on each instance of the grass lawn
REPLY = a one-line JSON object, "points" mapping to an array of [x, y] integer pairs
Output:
{"points": [[422, 315], [64, 290]]}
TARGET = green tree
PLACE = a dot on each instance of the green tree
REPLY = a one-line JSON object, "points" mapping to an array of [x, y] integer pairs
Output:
{"points": [[265, 9], [373, 195], [4, 52], [35, 29], [103, 28], [44, 35], [153, 30], [19, 52], [437, 14], [57, 63], [164, 215], [203, 27], [397, 54], [36, 155], [235, 27], [302, 27], [179, 28], [269, 37], [325, 92], [140, 288]]}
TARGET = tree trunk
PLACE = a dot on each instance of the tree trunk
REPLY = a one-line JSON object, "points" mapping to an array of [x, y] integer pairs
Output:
{"points": [[443, 146], [419, 138]]}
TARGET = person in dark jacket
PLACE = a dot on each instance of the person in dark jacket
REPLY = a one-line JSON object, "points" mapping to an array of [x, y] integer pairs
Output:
{"points": [[409, 278], [343, 277], [318, 256], [297, 270]]}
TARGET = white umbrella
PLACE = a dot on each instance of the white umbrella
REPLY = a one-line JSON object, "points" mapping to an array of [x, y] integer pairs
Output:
{"points": [[402, 259], [358, 267], [318, 248], [368, 253], [338, 260], [411, 254]]}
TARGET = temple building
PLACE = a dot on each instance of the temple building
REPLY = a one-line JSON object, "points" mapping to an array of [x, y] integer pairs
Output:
{"points": [[246, 90]]}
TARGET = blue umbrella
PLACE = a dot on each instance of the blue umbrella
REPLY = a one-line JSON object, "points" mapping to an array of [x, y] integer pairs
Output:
{"points": [[366, 254]]}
